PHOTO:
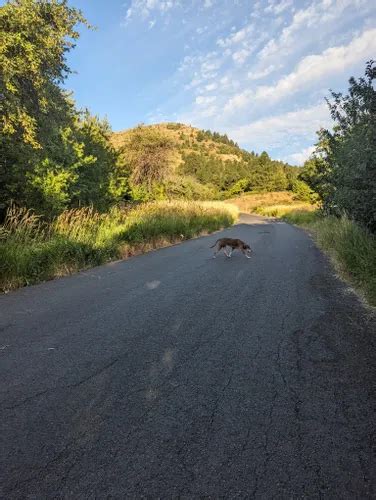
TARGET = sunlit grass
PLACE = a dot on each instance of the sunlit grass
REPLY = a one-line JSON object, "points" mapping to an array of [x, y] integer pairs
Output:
{"points": [[352, 248], [32, 250], [282, 210], [273, 204]]}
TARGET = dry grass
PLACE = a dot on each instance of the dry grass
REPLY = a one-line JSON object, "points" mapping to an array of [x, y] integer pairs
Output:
{"points": [[351, 248], [282, 210], [273, 204], [32, 251]]}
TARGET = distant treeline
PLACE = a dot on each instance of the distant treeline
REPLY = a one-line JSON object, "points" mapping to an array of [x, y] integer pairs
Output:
{"points": [[251, 172]]}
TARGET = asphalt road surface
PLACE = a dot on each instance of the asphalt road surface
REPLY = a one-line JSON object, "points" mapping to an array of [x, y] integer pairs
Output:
{"points": [[177, 375]]}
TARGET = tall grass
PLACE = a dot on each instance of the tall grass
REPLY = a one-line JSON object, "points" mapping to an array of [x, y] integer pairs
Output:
{"points": [[272, 204], [282, 210], [32, 250], [352, 248]]}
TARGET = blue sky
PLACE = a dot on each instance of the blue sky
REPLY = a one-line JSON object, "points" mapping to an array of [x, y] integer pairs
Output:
{"points": [[258, 71]]}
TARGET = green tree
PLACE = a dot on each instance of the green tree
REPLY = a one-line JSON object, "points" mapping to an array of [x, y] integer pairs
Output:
{"points": [[35, 37], [100, 181], [343, 170], [148, 152]]}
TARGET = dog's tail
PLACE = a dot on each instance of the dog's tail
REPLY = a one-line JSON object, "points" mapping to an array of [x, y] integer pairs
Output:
{"points": [[214, 244]]}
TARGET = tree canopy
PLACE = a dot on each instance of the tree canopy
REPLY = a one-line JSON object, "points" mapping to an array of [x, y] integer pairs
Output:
{"points": [[343, 168]]}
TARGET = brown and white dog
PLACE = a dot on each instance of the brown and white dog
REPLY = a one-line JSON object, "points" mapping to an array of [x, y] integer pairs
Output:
{"points": [[233, 244]]}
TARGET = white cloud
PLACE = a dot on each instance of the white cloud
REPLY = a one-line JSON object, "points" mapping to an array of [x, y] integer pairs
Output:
{"points": [[144, 8], [322, 16], [276, 131], [314, 68], [302, 156], [267, 60], [241, 55], [257, 75], [205, 100], [201, 30], [235, 38], [211, 86], [278, 7], [238, 101], [311, 70]]}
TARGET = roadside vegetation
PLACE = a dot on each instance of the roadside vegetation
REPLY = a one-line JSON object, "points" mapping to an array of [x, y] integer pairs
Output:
{"points": [[343, 173], [351, 247], [33, 250]]}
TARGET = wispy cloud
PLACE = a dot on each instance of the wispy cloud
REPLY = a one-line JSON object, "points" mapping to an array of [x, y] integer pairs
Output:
{"points": [[276, 7], [145, 8], [300, 157], [258, 71], [310, 70], [273, 131], [324, 15]]}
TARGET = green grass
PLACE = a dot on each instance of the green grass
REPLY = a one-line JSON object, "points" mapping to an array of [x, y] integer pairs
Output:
{"points": [[33, 251], [352, 248], [301, 217]]}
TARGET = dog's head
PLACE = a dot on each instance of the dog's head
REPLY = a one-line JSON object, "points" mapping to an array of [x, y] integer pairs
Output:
{"points": [[247, 249]]}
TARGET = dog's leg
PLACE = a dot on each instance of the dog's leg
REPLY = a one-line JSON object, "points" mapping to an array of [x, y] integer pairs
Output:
{"points": [[225, 252], [216, 250], [245, 253], [229, 255]]}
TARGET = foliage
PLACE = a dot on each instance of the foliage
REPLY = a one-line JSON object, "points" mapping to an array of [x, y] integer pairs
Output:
{"points": [[189, 188], [303, 192], [148, 152], [53, 156], [343, 170], [251, 173], [35, 38]]}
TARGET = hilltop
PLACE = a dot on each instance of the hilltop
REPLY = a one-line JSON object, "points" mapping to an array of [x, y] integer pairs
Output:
{"points": [[201, 163]]}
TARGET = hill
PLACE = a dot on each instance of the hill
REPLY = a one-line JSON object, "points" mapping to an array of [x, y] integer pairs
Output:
{"points": [[198, 164]]}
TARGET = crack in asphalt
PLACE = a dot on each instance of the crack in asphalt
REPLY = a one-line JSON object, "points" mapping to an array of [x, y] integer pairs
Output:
{"points": [[94, 374]]}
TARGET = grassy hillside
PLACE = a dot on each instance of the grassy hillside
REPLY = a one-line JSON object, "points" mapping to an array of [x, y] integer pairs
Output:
{"points": [[188, 140], [198, 164]]}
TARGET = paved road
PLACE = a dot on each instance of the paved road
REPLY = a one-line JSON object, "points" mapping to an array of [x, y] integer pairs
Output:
{"points": [[176, 375]]}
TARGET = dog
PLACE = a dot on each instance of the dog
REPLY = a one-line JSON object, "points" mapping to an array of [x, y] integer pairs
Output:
{"points": [[234, 244]]}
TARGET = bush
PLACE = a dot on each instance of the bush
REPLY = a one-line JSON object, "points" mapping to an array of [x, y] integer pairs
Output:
{"points": [[303, 192], [343, 170]]}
